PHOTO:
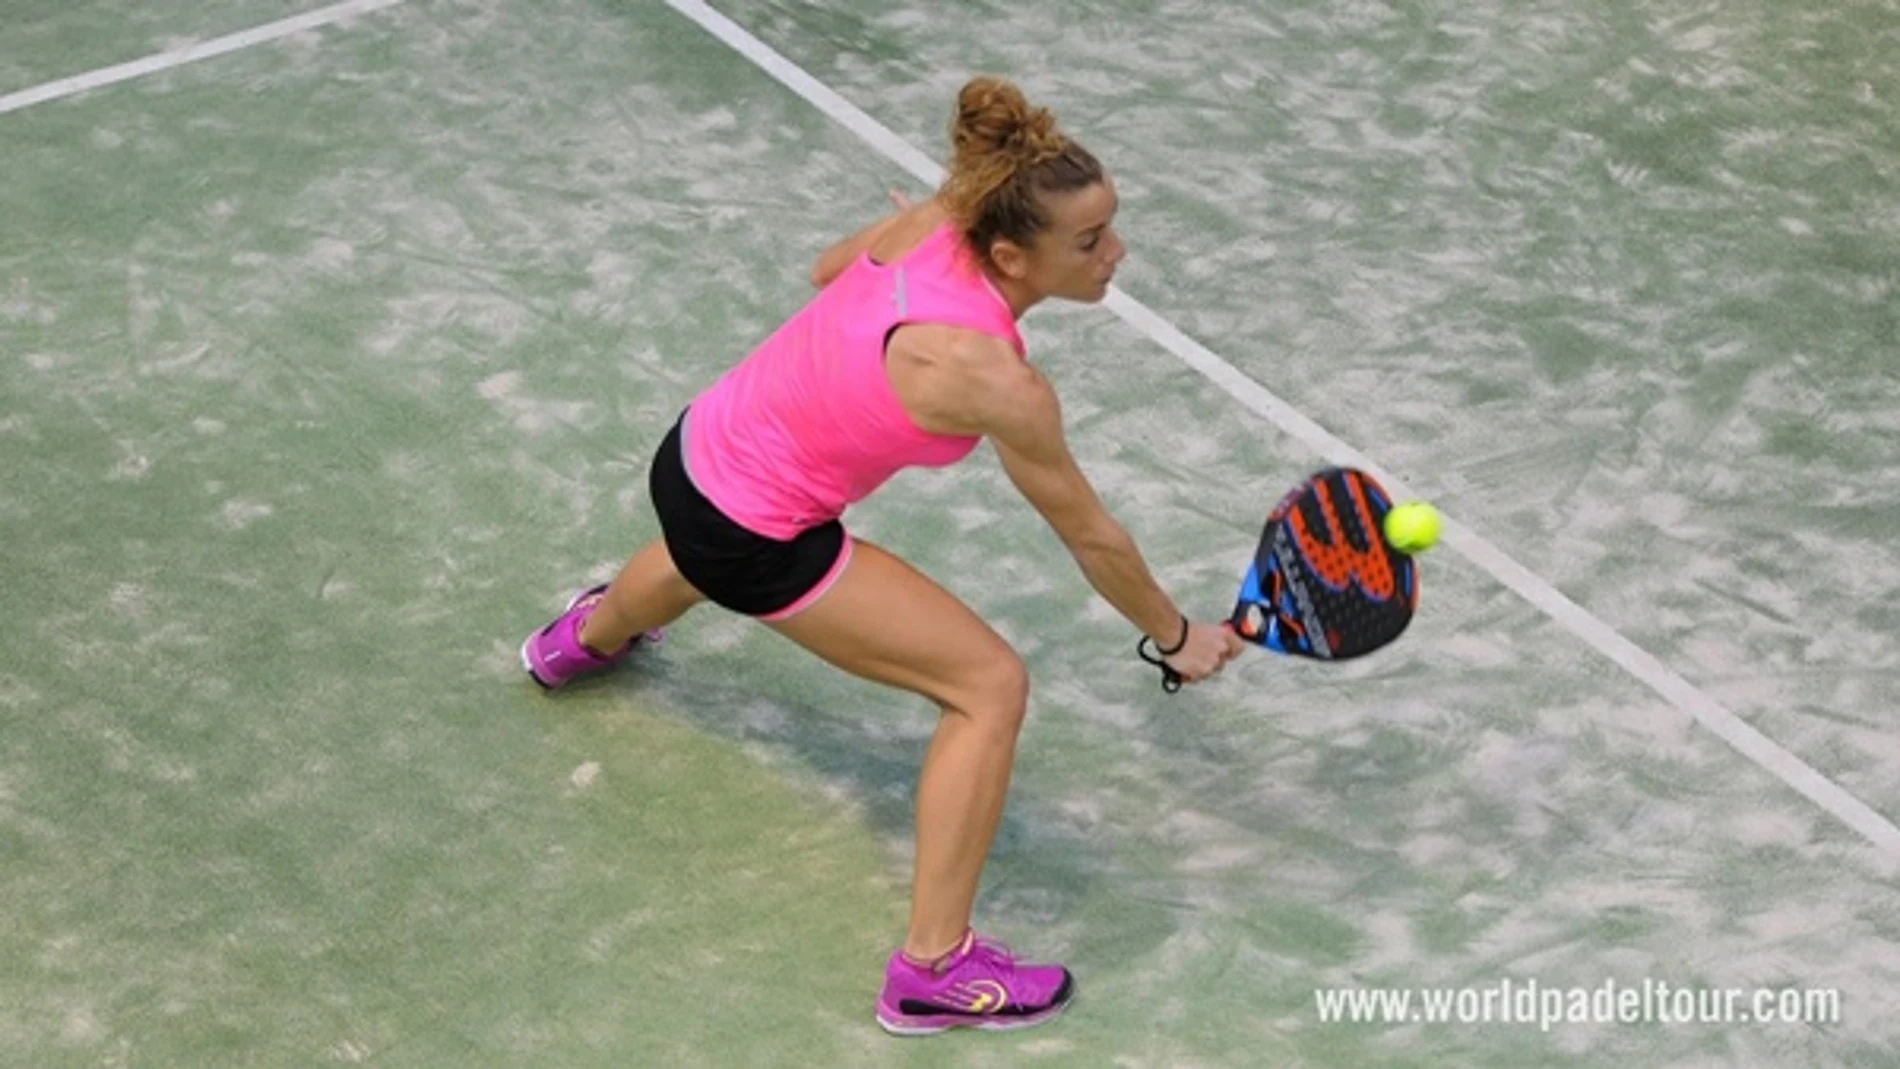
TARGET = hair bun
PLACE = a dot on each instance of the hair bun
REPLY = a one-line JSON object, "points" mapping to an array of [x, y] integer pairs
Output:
{"points": [[993, 117]]}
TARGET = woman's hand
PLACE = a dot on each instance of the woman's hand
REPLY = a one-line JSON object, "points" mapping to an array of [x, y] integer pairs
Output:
{"points": [[1207, 650]]}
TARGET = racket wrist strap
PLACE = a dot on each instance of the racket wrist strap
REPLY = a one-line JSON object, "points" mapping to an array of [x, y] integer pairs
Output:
{"points": [[1179, 645]]}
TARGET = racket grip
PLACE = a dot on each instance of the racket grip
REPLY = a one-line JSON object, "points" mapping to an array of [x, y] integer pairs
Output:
{"points": [[1171, 679]]}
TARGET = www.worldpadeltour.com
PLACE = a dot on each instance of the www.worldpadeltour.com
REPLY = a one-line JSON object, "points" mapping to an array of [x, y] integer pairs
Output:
{"points": [[1529, 1003]]}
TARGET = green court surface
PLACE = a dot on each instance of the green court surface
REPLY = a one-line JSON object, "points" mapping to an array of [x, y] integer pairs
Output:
{"points": [[332, 366]]}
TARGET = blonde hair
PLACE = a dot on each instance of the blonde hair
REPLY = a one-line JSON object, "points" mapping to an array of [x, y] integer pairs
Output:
{"points": [[1005, 155]]}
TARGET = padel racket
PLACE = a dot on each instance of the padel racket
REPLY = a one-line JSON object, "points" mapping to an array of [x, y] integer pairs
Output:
{"points": [[1324, 582]]}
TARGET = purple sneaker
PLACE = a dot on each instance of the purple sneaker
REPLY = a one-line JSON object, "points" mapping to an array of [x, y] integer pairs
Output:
{"points": [[978, 986], [554, 654]]}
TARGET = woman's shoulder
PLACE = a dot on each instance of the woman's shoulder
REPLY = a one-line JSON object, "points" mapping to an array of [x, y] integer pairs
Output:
{"points": [[917, 226]]}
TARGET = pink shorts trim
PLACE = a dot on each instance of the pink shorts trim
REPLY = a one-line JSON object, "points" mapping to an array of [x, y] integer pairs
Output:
{"points": [[818, 591]]}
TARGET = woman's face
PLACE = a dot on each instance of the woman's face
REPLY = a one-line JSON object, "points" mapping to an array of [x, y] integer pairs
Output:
{"points": [[1075, 257]]}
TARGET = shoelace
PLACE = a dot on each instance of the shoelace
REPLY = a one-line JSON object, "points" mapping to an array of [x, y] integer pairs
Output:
{"points": [[993, 955]]}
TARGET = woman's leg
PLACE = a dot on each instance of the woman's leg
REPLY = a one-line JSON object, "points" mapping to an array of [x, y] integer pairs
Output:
{"points": [[648, 593], [885, 621]]}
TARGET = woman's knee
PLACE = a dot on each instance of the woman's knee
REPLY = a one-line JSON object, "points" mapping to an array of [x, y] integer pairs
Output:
{"points": [[996, 690]]}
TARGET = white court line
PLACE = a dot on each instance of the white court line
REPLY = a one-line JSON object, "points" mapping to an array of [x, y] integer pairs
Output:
{"points": [[191, 53], [1600, 636]]}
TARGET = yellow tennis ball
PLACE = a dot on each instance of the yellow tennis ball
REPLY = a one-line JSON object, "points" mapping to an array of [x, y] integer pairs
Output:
{"points": [[1412, 527]]}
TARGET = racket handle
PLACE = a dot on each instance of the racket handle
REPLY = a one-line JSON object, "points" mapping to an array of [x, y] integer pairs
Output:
{"points": [[1170, 679]]}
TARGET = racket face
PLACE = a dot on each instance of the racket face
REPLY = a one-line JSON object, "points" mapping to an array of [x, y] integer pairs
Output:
{"points": [[1323, 582]]}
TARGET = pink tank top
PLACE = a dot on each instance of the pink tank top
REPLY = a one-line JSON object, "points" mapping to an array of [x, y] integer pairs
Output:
{"points": [[808, 423]]}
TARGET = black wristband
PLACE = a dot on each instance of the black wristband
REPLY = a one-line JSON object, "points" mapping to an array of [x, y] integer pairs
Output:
{"points": [[1178, 646]]}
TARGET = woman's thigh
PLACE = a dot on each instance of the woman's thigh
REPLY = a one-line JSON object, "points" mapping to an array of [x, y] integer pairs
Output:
{"points": [[885, 621]]}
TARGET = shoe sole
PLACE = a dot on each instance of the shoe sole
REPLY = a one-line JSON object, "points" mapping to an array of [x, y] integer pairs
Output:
{"points": [[527, 665], [980, 1024]]}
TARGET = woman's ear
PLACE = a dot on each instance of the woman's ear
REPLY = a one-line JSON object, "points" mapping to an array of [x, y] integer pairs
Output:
{"points": [[1009, 258]]}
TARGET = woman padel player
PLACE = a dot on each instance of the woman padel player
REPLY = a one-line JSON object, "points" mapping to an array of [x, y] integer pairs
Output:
{"points": [[908, 355]]}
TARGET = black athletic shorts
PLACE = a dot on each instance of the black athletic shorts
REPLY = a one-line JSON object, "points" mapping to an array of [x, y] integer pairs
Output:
{"points": [[735, 567]]}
